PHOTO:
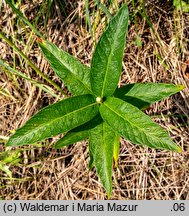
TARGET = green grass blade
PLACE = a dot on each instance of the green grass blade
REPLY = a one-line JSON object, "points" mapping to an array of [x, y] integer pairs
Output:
{"points": [[88, 21], [39, 85], [145, 16], [62, 7], [104, 8], [30, 63], [49, 5], [18, 13]]}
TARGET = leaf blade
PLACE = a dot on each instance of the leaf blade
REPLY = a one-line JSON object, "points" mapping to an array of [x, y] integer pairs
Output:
{"points": [[107, 58], [135, 126], [71, 138], [142, 95], [101, 148], [74, 74], [55, 119], [78, 134]]}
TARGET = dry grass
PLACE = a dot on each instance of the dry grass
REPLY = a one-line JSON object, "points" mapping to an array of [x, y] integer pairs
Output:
{"points": [[143, 173]]}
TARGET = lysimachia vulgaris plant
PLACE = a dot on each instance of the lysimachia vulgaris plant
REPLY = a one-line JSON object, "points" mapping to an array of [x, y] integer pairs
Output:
{"points": [[98, 110]]}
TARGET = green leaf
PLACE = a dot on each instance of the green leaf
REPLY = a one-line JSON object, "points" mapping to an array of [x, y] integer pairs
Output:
{"points": [[10, 157], [78, 134], [74, 74], [71, 138], [5, 168], [101, 142], [134, 125], [55, 119], [142, 95], [106, 62], [181, 5]]}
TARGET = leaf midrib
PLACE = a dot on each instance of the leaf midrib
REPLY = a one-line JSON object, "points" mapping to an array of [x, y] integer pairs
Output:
{"points": [[105, 176], [50, 122], [108, 64]]}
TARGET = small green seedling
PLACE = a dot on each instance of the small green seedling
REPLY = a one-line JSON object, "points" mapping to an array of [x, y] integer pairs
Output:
{"points": [[99, 111]]}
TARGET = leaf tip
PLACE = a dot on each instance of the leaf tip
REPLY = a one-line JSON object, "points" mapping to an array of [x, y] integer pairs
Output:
{"points": [[61, 143], [181, 87], [39, 40], [115, 158], [116, 164], [9, 143], [179, 149], [55, 146], [109, 194], [58, 145], [124, 5]]}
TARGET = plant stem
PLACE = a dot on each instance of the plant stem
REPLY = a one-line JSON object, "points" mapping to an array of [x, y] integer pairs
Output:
{"points": [[31, 63]]}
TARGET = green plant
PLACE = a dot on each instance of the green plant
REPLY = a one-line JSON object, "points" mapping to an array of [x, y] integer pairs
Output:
{"points": [[99, 111], [8, 158], [181, 5]]}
